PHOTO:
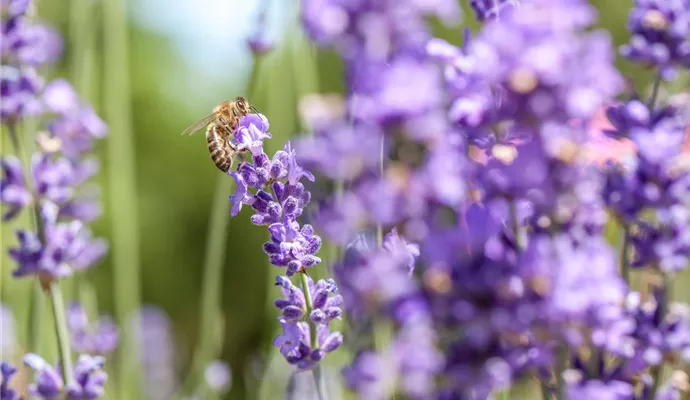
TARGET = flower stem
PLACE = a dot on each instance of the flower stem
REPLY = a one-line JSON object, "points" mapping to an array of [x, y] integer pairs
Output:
{"points": [[36, 304], [312, 331], [655, 91], [379, 227], [562, 364], [62, 333], [122, 180], [544, 391], [212, 284], [515, 225], [310, 307], [662, 309], [625, 249]]}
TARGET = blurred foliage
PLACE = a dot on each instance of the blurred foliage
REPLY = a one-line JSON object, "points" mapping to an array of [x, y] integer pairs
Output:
{"points": [[175, 179]]}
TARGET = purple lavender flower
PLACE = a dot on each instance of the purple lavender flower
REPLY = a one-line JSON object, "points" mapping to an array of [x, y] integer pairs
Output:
{"points": [[554, 71], [657, 334], [55, 180], [67, 247], [291, 245], [656, 181], [48, 384], [660, 33], [489, 9], [76, 124], [13, 190], [26, 42], [18, 90], [90, 378], [295, 343], [6, 371], [596, 389], [39, 44], [341, 152], [251, 133], [325, 306], [100, 338], [89, 375]]}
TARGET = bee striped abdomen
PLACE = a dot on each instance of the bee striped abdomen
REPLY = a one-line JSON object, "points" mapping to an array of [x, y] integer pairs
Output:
{"points": [[219, 147]]}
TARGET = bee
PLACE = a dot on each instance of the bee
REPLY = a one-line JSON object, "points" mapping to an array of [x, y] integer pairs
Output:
{"points": [[220, 128]]}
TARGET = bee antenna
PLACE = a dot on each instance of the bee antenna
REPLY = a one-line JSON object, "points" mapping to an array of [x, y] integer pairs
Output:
{"points": [[254, 109]]}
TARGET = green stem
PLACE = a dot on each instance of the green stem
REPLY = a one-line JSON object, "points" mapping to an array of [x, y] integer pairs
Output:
{"points": [[625, 249], [212, 284], [562, 364], [663, 308], [312, 331], [16, 146], [655, 91], [82, 35], [307, 298], [62, 333], [123, 193], [544, 390], [515, 225], [36, 300], [379, 227], [336, 250]]}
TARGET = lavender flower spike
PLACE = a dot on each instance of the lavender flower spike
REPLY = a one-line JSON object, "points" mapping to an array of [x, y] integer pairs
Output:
{"points": [[279, 198]]}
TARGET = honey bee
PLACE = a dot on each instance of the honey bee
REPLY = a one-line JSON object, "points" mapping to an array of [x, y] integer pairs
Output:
{"points": [[220, 128]]}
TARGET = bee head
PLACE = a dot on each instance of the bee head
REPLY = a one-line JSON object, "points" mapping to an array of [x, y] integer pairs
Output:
{"points": [[242, 105]]}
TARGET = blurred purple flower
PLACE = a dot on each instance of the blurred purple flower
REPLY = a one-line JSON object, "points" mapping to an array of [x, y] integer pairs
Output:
{"points": [[551, 70], [39, 44], [6, 372], [8, 344], [76, 125], [90, 378], [48, 384], [341, 152], [154, 336], [218, 376], [13, 190], [19, 88], [490, 9], [68, 247], [101, 337], [660, 31]]}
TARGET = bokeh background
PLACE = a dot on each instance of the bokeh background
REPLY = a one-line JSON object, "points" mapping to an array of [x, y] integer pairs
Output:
{"points": [[184, 58]]}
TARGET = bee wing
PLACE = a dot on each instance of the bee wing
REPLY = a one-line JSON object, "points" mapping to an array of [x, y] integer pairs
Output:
{"points": [[192, 129]]}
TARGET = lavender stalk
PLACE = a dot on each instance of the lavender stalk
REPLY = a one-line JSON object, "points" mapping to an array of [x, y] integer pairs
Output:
{"points": [[122, 178], [36, 299], [62, 333]]}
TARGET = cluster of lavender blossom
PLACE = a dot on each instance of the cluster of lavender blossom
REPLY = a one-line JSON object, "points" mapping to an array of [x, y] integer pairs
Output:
{"points": [[475, 161], [278, 199], [53, 188]]}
